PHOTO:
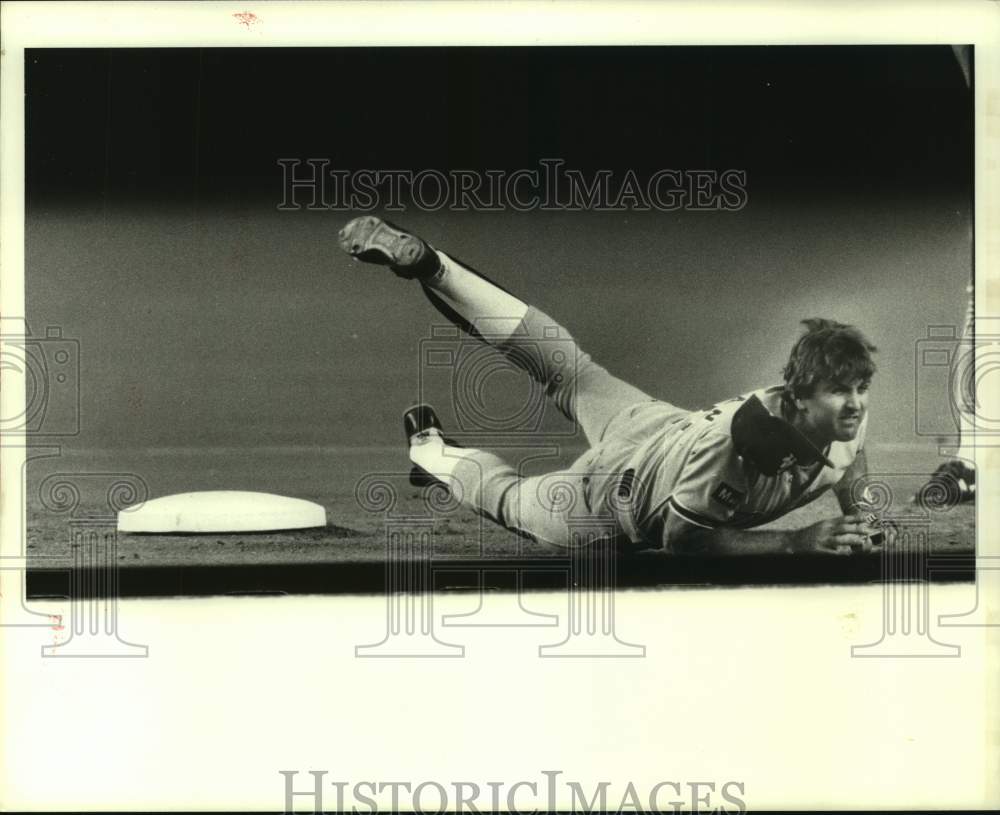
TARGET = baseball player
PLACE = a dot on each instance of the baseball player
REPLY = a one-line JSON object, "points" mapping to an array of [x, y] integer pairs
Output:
{"points": [[656, 476]]}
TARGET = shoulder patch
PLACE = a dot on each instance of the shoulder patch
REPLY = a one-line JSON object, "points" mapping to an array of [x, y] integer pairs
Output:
{"points": [[770, 442], [728, 496]]}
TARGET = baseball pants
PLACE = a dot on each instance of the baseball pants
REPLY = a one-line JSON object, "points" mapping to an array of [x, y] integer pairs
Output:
{"points": [[558, 507]]}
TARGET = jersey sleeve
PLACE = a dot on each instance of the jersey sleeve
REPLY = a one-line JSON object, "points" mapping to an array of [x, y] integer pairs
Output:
{"points": [[711, 484]]}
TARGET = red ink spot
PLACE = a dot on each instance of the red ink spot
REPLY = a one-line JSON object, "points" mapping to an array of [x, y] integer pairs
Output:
{"points": [[57, 622], [246, 18]]}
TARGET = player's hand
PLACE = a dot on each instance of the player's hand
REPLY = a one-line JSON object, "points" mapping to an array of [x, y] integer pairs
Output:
{"points": [[848, 534], [886, 532]]}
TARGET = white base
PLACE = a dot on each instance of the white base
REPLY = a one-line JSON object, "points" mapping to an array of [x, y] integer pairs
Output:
{"points": [[221, 511]]}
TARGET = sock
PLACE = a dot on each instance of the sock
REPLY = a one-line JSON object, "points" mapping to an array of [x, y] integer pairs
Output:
{"points": [[494, 313], [429, 452]]}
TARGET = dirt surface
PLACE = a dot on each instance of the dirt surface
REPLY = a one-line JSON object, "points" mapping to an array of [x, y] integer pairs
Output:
{"points": [[367, 497]]}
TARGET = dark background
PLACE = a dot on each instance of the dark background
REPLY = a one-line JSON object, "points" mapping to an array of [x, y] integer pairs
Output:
{"points": [[148, 124], [206, 317]]}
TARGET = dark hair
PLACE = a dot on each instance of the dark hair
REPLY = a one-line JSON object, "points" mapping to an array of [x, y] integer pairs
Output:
{"points": [[827, 350]]}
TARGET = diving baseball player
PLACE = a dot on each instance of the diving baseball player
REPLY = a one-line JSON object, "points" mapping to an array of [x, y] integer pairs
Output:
{"points": [[656, 476]]}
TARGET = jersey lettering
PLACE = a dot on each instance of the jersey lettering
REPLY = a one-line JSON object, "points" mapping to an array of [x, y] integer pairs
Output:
{"points": [[728, 496]]}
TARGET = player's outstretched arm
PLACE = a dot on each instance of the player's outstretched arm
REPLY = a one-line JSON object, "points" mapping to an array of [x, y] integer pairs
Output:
{"points": [[847, 496], [832, 536], [853, 501]]}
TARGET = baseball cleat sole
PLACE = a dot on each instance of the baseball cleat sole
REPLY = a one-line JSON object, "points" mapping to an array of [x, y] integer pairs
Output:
{"points": [[372, 240]]}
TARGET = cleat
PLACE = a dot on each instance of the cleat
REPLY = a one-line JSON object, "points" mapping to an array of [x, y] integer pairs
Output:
{"points": [[372, 240], [417, 421], [953, 482]]}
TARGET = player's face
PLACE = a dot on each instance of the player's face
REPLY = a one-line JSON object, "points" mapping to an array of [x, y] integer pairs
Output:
{"points": [[835, 410]]}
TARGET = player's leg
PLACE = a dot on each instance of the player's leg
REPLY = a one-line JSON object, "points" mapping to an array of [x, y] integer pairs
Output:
{"points": [[552, 508], [482, 303], [581, 389]]}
